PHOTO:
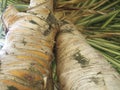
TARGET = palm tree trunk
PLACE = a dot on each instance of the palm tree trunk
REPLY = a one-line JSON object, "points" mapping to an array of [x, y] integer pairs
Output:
{"points": [[79, 66], [27, 54]]}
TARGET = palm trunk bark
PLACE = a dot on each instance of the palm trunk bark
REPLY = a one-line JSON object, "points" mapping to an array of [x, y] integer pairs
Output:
{"points": [[27, 54], [79, 66]]}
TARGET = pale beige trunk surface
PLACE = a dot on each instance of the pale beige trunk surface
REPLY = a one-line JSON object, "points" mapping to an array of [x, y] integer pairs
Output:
{"points": [[27, 54], [79, 66]]}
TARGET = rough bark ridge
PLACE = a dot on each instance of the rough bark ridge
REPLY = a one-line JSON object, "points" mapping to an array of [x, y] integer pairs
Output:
{"points": [[27, 54], [79, 66]]}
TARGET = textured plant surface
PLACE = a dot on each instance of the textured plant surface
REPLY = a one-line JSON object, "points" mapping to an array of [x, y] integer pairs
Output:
{"points": [[97, 20], [79, 66], [27, 54]]}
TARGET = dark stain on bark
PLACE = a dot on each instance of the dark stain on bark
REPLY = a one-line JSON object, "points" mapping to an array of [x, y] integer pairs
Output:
{"points": [[52, 22], [24, 42], [97, 80], [63, 22], [6, 53], [33, 22], [48, 31], [67, 28], [0, 66], [81, 59], [51, 19], [12, 88], [99, 73], [66, 31]]}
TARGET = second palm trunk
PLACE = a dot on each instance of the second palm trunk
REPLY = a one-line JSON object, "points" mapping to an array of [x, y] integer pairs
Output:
{"points": [[79, 66]]}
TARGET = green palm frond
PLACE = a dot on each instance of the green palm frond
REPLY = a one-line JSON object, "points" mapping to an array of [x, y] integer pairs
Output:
{"points": [[19, 4]]}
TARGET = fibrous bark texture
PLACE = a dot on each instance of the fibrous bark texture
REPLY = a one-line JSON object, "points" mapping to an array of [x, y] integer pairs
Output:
{"points": [[27, 54], [79, 66]]}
